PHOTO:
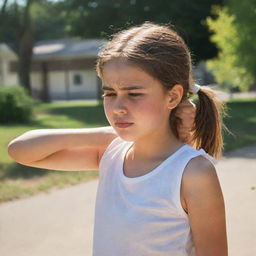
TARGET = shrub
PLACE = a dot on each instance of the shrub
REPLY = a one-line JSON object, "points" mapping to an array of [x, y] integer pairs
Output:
{"points": [[15, 105]]}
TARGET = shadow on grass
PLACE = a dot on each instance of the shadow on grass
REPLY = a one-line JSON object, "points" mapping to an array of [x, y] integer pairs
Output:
{"points": [[16, 171], [91, 115], [242, 108], [241, 121]]}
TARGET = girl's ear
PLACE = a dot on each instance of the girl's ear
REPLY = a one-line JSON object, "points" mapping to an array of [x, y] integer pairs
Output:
{"points": [[175, 96]]}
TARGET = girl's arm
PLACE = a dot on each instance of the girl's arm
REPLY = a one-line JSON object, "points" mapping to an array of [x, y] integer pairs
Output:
{"points": [[204, 202], [61, 149], [77, 149]]}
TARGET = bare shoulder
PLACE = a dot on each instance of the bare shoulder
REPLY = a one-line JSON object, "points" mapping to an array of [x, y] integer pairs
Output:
{"points": [[199, 178], [199, 168], [204, 202]]}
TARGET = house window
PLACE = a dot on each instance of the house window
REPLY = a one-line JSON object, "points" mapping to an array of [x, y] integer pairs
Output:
{"points": [[77, 79]]}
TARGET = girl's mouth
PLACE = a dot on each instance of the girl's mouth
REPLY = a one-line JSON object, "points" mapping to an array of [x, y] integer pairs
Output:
{"points": [[123, 124]]}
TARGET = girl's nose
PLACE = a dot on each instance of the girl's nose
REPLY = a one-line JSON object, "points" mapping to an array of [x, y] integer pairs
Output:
{"points": [[120, 112], [119, 107]]}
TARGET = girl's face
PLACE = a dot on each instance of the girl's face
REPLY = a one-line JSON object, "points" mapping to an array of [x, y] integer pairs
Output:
{"points": [[136, 105]]}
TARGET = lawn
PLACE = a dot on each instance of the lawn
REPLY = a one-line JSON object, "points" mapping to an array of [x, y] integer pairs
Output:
{"points": [[18, 181], [241, 121]]}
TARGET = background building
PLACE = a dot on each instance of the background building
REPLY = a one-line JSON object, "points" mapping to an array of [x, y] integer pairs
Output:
{"points": [[7, 56], [63, 69]]}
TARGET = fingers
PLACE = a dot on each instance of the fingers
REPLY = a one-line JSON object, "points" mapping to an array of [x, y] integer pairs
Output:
{"points": [[187, 102], [186, 113], [187, 107]]}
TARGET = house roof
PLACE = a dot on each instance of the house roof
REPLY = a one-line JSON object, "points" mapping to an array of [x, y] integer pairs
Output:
{"points": [[6, 52], [67, 48]]}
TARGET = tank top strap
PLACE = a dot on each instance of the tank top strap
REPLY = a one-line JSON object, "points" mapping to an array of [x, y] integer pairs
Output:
{"points": [[114, 149]]}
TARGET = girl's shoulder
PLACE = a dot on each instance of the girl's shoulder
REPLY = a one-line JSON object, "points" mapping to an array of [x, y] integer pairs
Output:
{"points": [[115, 144], [199, 179], [200, 164], [195, 153], [204, 202]]}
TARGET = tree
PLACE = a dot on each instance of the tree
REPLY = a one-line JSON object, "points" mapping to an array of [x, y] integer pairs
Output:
{"points": [[226, 66], [244, 13], [25, 47], [22, 24], [3, 8], [16, 29], [48, 20], [235, 35], [101, 18]]}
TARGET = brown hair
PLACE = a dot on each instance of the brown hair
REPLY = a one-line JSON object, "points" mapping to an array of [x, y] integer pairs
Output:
{"points": [[163, 54]]}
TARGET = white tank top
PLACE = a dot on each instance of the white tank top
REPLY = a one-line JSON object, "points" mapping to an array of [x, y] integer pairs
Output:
{"points": [[142, 216]]}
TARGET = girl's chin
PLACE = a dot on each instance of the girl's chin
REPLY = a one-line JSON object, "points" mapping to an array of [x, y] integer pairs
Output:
{"points": [[124, 135]]}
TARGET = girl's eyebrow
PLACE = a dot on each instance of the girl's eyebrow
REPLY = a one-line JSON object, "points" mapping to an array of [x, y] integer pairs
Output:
{"points": [[135, 87]]}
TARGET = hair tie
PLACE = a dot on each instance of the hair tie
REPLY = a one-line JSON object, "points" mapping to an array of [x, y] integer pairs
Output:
{"points": [[195, 88]]}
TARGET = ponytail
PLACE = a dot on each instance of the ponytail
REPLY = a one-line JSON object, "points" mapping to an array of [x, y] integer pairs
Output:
{"points": [[208, 123], [163, 54]]}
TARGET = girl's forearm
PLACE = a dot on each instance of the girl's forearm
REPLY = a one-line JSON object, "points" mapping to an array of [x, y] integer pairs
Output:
{"points": [[37, 144]]}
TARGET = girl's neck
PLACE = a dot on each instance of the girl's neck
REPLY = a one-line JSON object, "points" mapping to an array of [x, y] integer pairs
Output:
{"points": [[155, 148]]}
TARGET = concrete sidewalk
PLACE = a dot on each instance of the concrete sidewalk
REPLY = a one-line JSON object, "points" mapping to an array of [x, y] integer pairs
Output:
{"points": [[237, 175], [60, 223]]}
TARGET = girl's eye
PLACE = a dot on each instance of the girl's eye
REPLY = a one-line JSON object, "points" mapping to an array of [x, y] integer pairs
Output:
{"points": [[135, 94], [108, 95], [113, 94]]}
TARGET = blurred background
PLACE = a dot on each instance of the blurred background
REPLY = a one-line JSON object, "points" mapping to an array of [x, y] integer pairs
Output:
{"points": [[48, 50]]}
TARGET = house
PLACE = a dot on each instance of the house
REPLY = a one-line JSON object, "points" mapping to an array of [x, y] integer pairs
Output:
{"points": [[65, 69], [62, 69], [7, 56]]}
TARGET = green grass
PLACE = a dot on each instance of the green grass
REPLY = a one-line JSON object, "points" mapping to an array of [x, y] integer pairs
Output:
{"points": [[17, 181], [241, 121]]}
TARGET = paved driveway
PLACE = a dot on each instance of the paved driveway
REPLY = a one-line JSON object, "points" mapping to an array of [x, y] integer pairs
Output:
{"points": [[60, 223]]}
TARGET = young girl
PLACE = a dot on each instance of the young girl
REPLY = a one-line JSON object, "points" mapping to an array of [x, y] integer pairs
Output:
{"points": [[157, 196]]}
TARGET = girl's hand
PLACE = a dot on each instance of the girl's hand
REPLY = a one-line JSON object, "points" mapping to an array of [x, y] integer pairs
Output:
{"points": [[186, 113]]}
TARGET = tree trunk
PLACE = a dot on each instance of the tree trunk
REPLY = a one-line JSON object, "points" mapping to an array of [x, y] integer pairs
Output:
{"points": [[3, 7], [25, 58], [45, 92], [25, 47]]}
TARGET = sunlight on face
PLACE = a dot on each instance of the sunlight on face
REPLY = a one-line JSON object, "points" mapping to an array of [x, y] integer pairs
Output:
{"points": [[135, 103]]}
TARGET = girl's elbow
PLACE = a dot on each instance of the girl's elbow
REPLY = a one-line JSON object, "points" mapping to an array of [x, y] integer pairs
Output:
{"points": [[15, 152], [11, 149]]}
